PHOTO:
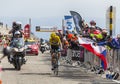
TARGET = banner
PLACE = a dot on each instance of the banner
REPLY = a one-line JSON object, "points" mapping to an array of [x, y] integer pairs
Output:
{"points": [[27, 31], [68, 23], [77, 20], [78, 55]]}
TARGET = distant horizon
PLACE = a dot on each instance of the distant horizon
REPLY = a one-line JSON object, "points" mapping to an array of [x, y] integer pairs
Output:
{"points": [[51, 13], [101, 22]]}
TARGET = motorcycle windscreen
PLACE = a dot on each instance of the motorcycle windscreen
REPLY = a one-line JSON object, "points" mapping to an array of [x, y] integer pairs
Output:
{"points": [[18, 42]]}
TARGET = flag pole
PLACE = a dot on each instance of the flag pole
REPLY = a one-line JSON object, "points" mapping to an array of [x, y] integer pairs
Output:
{"points": [[63, 28]]}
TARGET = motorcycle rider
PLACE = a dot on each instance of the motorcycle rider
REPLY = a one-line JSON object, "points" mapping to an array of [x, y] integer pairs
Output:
{"points": [[43, 46], [16, 26], [17, 39], [8, 50]]}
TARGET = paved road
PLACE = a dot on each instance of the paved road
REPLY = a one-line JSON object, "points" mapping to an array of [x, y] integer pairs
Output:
{"points": [[37, 70]]}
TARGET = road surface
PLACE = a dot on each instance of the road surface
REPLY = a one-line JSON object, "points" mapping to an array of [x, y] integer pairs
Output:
{"points": [[37, 70]]}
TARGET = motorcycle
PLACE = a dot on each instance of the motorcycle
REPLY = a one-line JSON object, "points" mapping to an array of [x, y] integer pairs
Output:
{"points": [[42, 47], [16, 57]]}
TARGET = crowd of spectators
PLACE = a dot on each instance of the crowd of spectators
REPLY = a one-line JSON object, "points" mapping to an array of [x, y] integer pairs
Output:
{"points": [[99, 35], [4, 40]]}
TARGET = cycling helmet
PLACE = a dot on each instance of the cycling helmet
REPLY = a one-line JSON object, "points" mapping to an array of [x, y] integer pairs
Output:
{"points": [[57, 38], [53, 35]]}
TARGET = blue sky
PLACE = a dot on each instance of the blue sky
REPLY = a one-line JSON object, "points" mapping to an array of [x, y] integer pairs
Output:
{"points": [[51, 12]]}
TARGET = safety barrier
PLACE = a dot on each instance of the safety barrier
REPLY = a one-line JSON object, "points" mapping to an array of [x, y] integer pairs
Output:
{"points": [[113, 58], [84, 56], [89, 60]]}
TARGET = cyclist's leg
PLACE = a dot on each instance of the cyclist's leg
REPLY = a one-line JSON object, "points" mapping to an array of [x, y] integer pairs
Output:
{"points": [[52, 52], [58, 49], [52, 56]]}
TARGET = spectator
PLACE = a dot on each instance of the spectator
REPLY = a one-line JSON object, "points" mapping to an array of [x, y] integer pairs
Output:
{"points": [[69, 36], [111, 42], [104, 34], [86, 31], [93, 25]]}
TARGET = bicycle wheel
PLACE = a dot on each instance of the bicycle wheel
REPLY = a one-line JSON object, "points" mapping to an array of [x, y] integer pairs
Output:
{"points": [[56, 65], [56, 71]]}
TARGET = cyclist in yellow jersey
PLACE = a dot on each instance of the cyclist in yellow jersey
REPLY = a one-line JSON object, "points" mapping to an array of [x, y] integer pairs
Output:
{"points": [[55, 44]]}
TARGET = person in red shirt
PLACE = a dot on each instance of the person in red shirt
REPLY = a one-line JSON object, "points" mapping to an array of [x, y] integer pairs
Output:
{"points": [[69, 36]]}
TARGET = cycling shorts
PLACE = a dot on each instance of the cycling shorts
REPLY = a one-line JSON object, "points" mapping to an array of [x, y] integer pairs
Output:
{"points": [[55, 47]]}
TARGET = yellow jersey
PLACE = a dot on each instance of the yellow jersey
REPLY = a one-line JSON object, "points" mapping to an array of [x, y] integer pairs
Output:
{"points": [[55, 40]]}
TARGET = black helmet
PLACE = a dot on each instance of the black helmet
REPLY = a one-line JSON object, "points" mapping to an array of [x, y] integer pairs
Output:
{"points": [[14, 25], [17, 25]]}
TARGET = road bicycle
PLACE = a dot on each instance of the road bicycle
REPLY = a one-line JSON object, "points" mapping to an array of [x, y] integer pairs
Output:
{"points": [[55, 62]]}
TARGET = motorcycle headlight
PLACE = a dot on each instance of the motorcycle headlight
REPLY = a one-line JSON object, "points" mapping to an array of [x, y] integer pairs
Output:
{"points": [[26, 47], [21, 49], [15, 49]]}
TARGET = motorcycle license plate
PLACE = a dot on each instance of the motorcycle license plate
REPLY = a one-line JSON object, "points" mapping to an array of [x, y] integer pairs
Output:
{"points": [[28, 50], [43, 48]]}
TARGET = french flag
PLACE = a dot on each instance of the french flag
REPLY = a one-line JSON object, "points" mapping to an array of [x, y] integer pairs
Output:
{"points": [[99, 51]]}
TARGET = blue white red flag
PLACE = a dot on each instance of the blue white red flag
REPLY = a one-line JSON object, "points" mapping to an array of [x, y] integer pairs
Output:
{"points": [[99, 51]]}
